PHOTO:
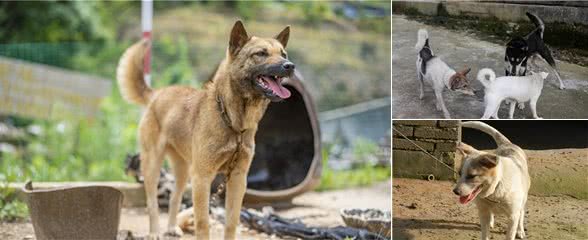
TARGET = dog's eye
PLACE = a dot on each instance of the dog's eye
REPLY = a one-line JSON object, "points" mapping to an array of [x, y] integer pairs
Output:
{"points": [[284, 55], [470, 176], [261, 54]]}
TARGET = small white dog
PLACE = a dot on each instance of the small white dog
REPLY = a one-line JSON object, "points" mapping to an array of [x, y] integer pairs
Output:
{"points": [[516, 89], [436, 72], [497, 182]]}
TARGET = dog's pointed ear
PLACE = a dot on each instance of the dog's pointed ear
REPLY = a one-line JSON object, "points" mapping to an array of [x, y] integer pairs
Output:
{"points": [[544, 75], [466, 71], [488, 160], [238, 38], [465, 149], [283, 36]]}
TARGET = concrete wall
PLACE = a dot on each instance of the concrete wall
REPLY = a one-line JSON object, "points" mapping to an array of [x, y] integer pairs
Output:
{"points": [[438, 137], [510, 11]]}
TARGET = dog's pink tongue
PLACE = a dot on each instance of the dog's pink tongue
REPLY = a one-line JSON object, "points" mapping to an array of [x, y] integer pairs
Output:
{"points": [[468, 198], [278, 89], [464, 199]]}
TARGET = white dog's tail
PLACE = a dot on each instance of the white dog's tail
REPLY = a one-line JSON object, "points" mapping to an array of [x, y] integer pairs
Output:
{"points": [[422, 38], [498, 137], [486, 72]]}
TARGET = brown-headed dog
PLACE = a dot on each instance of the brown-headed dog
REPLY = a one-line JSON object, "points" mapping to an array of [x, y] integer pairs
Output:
{"points": [[207, 131]]}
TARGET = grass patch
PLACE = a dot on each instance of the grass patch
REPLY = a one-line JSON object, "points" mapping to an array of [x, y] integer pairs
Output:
{"points": [[11, 209], [361, 175]]}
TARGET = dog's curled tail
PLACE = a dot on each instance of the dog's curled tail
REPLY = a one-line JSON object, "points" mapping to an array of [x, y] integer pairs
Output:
{"points": [[498, 137], [129, 75], [537, 21], [486, 72], [422, 38]]}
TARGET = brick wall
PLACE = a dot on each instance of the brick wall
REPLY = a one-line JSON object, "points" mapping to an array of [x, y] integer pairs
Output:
{"points": [[438, 137]]}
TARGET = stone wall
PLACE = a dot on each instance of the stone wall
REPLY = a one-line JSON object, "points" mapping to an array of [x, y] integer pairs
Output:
{"points": [[573, 12], [438, 137]]}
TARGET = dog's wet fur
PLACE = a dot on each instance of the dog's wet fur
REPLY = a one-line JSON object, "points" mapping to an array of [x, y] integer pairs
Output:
{"points": [[438, 74], [200, 130], [498, 182]]}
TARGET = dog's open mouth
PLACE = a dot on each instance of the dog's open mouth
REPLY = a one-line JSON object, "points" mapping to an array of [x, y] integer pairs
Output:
{"points": [[272, 85], [468, 198]]}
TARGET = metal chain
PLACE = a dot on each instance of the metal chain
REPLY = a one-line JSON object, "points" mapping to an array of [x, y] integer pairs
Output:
{"points": [[425, 151], [233, 161]]}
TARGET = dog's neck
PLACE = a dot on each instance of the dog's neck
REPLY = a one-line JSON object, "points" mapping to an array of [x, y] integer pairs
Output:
{"points": [[239, 112], [447, 77], [495, 191]]}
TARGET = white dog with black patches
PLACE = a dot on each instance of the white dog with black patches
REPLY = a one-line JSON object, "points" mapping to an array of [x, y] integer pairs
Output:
{"points": [[436, 73], [515, 89], [498, 182]]}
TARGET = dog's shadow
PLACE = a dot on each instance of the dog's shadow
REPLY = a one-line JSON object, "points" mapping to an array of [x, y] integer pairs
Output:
{"points": [[400, 226]]}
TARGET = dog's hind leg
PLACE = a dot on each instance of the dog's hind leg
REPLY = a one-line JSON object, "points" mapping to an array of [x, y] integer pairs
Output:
{"points": [[491, 109], [420, 77], [545, 56], [512, 109], [521, 227], [180, 168], [422, 92], [152, 151], [533, 104]]}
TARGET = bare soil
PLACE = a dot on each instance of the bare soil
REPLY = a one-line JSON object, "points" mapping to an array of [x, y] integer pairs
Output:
{"points": [[317, 209], [429, 210]]}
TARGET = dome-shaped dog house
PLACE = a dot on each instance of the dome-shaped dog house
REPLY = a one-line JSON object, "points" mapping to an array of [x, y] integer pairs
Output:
{"points": [[287, 159]]}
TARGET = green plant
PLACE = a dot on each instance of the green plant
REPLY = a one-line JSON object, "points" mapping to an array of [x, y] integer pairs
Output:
{"points": [[11, 209], [364, 175], [316, 11], [364, 150]]}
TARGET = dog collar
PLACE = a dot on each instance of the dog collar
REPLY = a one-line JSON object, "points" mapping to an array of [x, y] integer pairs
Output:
{"points": [[225, 116]]}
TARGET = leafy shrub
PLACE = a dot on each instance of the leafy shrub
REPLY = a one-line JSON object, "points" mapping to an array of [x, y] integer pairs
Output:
{"points": [[11, 209]]}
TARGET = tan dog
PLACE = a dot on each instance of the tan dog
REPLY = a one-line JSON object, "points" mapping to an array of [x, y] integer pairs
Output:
{"points": [[204, 132], [498, 182]]}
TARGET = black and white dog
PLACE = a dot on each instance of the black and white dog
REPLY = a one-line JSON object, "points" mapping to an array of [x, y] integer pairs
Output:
{"points": [[520, 49], [432, 70]]}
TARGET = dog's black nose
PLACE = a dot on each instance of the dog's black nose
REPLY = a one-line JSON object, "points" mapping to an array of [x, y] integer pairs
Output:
{"points": [[456, 191], [289, 66]]}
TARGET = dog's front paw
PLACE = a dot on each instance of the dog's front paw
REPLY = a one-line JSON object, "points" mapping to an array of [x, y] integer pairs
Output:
{"points": [[173, 233], [152, 236]]}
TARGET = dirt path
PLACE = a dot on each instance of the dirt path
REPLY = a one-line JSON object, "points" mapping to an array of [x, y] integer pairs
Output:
{"points": [[319, 209], [429, 210]]}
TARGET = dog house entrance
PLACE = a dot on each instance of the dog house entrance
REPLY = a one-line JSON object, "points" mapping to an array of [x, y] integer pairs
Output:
{"points": [[284, 146]]}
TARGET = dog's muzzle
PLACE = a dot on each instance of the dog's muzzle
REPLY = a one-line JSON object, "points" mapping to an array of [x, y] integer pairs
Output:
{"points": [[270, 80]]}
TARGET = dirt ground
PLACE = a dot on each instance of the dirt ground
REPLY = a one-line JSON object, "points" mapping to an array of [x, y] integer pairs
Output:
{"points": [[317, 209], [429, 210]]}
